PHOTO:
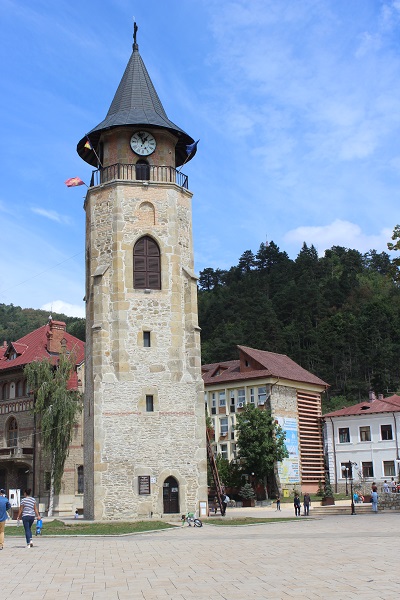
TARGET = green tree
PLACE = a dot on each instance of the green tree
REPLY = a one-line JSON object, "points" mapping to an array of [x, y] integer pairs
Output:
{"points": [[261, 444], [57, 408]]}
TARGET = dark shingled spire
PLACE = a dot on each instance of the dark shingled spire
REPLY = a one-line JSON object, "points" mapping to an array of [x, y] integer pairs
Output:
{"points": [[136, 102]]}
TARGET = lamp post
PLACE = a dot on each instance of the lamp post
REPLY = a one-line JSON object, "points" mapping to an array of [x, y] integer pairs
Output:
{"points": [[349, 468], [345, 471]]}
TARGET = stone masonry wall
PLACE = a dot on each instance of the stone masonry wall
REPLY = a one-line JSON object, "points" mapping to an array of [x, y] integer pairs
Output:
{"points": [[127, 440]]}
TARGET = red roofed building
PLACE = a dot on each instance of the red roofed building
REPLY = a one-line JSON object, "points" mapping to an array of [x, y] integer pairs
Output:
{"points": [[22, 463], [366, 434], [293, 394]]}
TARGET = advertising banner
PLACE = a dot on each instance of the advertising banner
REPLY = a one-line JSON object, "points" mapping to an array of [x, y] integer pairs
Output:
{"points": [[289, 468]]}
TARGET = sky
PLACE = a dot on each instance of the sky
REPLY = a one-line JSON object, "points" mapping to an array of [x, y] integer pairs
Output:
{"points": [[296, 104]]}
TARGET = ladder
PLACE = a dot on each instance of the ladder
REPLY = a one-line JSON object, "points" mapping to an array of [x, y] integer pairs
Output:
{"points": [[214, 471]]}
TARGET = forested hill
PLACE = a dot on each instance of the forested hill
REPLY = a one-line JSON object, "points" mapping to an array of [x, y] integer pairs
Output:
{"points": [[15, 322], [337, 316]]}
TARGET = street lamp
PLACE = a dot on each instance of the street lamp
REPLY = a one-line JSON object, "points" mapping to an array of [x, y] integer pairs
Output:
{"points": [[345, 471], [349, 468]]}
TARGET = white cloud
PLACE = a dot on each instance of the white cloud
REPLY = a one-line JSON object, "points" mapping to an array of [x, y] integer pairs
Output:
{"points": [[59, 306], [338, 233], [52, 215]]}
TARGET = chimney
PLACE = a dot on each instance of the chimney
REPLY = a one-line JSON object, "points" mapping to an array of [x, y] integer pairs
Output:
{"points": [[55, 336], [372, 396], [380, 396]]}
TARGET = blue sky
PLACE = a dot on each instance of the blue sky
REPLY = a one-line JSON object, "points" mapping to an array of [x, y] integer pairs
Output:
{"points": [[296, 104]]}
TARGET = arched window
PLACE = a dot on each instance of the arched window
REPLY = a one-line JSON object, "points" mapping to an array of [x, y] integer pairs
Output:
{"points": [[19, 390], [5, 392], [142, 170], [12, 433], [146, 264]]}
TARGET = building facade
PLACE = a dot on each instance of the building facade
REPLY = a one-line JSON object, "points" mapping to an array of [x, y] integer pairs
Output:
{"points": [[292, 394], [145, 450], [22, 462], [366, 435]]}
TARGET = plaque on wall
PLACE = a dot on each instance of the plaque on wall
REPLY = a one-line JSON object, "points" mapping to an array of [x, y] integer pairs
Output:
{"points": [[144, 484]]}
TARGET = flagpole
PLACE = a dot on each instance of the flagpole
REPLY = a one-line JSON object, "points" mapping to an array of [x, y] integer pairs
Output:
{"points": [[91, 147], [194, 147]]}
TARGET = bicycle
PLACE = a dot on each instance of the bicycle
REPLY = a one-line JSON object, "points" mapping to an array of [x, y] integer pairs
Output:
{"points": [[189, 518]]}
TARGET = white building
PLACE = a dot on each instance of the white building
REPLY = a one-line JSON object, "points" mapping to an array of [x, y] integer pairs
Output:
{"points": [[365, 434]]}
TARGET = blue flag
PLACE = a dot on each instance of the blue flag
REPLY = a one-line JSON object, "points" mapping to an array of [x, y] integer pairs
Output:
{"points": [[191, 148]]}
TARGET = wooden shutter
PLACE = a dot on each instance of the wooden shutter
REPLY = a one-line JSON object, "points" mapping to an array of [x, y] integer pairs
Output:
{"points": [[146, 264]]}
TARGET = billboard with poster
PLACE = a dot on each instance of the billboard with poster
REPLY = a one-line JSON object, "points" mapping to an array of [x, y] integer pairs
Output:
{"points": [[289, 468]]}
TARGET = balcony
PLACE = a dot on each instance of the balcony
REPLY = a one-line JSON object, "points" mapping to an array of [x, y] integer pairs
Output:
{"points": [[14, 452], [139, 172]]}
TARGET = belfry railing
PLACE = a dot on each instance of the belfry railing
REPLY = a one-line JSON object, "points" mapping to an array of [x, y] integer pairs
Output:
{"points": [[139, 172]]}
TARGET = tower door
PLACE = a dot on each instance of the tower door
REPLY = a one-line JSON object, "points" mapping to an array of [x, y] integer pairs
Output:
{"points": [[171, 495]]}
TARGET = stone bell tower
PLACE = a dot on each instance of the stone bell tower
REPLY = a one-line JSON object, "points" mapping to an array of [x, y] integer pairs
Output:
{"points": [[145, 448]]}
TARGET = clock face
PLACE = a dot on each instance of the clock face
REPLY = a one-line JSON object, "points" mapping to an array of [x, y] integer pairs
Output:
{"points": [[143, 143]]}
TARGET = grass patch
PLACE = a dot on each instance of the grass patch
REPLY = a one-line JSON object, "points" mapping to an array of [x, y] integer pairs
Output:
{"points": [[249, 521], [57, 527]]}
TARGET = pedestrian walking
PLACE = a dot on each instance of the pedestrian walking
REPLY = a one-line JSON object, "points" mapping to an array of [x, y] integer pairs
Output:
{"points": [[278, 503], [28, 511], [306, 504], [4, 507], [296, 504]]}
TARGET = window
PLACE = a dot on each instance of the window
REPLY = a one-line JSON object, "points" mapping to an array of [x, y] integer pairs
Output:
{"points": [[365, 434], [344, 435], [224, 451], [242, 396], [222, 399], [146, 339], [19, 389], [386, 432], [388, 468], [6, 392], [146, 265], [224, 426], [149, 403], [80, 484], [367, 469], [262, 395], [234, 451], [213, 405], [142, 170], [252, 395], [232, 428], [12, 433], [232, 405]]}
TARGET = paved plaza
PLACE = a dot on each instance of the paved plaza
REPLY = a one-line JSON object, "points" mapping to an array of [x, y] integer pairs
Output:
{"points": [[333, 557]]}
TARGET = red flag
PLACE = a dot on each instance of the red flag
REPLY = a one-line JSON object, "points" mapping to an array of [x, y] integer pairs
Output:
{"points": [[88, 145], [74, 181]]}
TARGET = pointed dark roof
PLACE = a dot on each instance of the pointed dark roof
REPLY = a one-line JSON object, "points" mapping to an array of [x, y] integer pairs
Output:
{"points": [[136, 102]]}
